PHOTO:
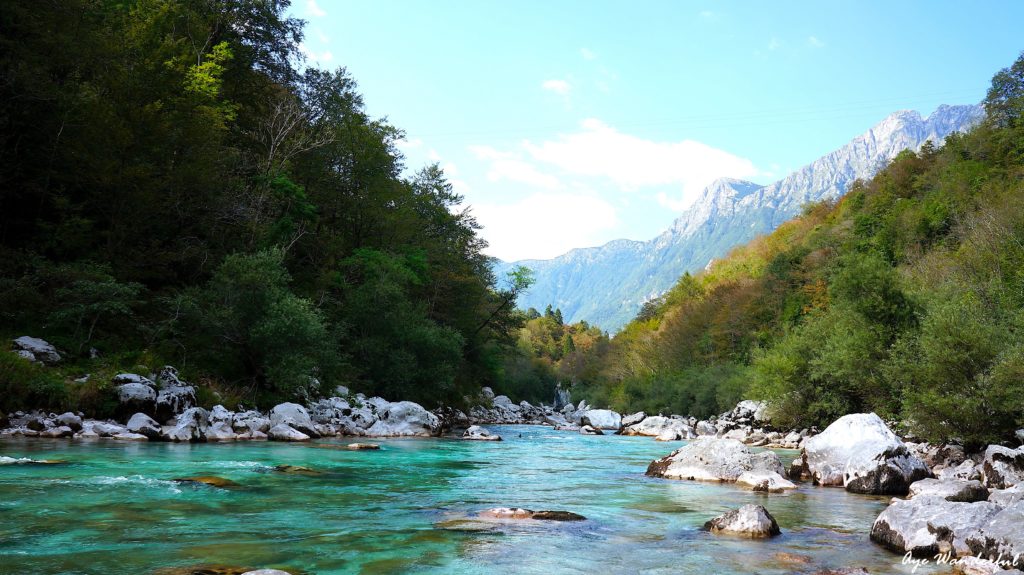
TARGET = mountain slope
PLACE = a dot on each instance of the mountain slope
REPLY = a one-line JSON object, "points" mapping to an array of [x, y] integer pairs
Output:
{"points": [[607, 285]]}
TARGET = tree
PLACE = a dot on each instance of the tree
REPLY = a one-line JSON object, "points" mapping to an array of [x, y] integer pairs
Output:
{"points": [[1004, 102]]}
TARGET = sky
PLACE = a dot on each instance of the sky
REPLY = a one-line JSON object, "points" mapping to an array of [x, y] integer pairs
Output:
{"points": [[572, 123]]}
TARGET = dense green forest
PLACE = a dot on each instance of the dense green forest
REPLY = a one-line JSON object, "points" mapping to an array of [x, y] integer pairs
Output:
{"points": [[176, 186], [905, 297]]}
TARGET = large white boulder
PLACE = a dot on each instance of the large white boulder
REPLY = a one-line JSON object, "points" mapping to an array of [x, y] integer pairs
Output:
{"points": [[1002, 537], [861, 453], [405, 418], [748, 521], [1002, 467], [714, 459], [930, 525], [768, 481], [35, 349], [294, 416], [135, 394], [602, 419]]}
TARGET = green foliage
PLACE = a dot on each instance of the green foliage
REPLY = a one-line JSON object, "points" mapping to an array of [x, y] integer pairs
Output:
{"points": [[26, 385], [256, 330]]}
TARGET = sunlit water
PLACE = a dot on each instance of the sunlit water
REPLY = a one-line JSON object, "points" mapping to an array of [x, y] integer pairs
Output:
{"points": [[114, 509]]}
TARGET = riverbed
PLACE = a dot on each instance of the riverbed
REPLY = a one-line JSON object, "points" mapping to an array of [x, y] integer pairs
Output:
{"points": [[114, 508]]}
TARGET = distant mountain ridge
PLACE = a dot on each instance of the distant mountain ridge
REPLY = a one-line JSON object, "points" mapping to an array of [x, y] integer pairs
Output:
{"points": [[607, 285]]}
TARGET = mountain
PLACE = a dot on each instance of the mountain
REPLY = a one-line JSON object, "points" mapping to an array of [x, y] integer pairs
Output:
{"points": [[607, 285]]}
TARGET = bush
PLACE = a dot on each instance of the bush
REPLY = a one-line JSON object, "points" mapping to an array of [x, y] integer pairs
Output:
{"points": [[25, 385]]}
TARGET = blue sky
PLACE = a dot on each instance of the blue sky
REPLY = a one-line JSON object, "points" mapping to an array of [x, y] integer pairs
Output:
{"points": [[568, 124]]}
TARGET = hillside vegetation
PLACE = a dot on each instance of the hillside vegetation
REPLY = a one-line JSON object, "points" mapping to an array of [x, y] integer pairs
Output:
{"points": [[176, 186], [905, 297]]}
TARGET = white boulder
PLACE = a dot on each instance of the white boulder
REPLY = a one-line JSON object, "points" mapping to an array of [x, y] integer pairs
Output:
{"points": [[861, 453], [714, 459], [748, 521], [405, 418]]}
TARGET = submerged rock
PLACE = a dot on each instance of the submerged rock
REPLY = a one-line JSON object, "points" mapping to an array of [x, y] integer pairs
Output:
{"points": [[362, 446], [520, 513], [927, 525], [477, 433], [861, 453], [296, 470], [749, 521], [714, 459], [211, 480]]}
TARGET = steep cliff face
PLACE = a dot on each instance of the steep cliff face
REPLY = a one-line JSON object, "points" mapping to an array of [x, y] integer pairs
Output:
{"points": [[606, 285]]}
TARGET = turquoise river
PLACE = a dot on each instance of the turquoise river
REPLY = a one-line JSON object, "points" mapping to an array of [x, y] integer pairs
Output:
{"points": [[113, 508]]}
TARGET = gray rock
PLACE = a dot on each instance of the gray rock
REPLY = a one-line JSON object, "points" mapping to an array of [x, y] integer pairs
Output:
{"points": [[174, 396], [144, 425], [250, 421], [405, 418], [714, 459], [285, 432], [135, 396], [705, 428], [925, 526], [1002, 467], [976, 566], [36, 350], [1007, 497], [477, 433], [104, 429], [55, 432], [602, 419], [861, 453], [766, 481], [70, 420], [633, 419], [191, 426], [294, 416], [950, 489], [749, 521], [504, 401], [590, 430], [656, 425], [1001, 539], [968, 470]]}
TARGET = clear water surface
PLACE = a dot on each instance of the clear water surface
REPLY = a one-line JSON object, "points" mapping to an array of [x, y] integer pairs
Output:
{"points": [[407, 508]]}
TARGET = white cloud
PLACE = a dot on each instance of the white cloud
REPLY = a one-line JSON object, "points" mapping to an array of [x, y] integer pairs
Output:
{"points": [[325, 56], [588, 54], [814, 41], [557, 223], [510, 166], [774, 44], [560, 87], [314, 9], [632, 163], [409, 144], [324, 38], [708, 14]]}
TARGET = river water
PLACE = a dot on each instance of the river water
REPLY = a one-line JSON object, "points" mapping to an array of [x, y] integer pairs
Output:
{"points": [[113, 508]]}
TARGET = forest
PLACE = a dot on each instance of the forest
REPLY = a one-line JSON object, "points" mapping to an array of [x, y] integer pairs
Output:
{"points": [[905, 297], [178, 187]]}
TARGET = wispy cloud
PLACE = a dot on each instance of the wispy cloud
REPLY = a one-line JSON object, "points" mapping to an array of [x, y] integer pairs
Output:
{"points": [[314, 9], [512, 167], [814, 41], [708, 15], [774, 44], [587, 54], [560, 87], [322, 57]]}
